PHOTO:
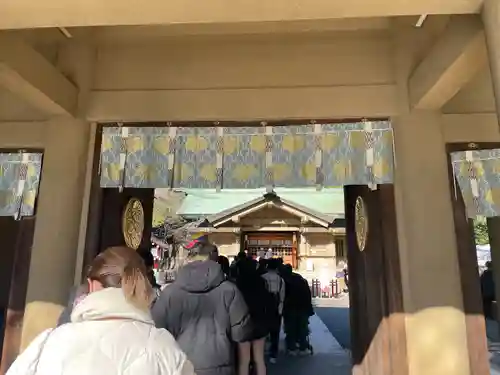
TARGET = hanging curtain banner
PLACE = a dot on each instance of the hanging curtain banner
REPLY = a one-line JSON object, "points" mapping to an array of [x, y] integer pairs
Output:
{"points": [[294, 156], [19, 181], [244, 162], [478, 177], [358, 153], [196, 158], [235, 157], [140, 157]]}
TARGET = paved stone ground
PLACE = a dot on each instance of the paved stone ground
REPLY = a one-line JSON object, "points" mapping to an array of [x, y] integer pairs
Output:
{"points": [[493, 333], [335, 315], [329, 357]]}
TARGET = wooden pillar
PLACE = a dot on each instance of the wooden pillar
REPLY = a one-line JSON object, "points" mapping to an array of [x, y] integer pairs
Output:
{"points": [[94, 213], [378, 330], [469, 278], [9, 230], [19, 275], [294, 252], [471, 291], [494, 236]]}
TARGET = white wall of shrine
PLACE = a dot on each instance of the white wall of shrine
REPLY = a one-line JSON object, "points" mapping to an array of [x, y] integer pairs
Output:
{"points": [[228, 243], [317, 257]]}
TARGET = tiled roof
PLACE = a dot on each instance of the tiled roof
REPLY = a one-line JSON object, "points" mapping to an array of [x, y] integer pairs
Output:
{"points": [[205, 202]]}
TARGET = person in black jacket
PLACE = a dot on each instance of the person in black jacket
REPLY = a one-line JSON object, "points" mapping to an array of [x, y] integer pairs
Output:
{"points": [[225, 265], [254, 290], [205, 313], [296, 311], [488, 290]]}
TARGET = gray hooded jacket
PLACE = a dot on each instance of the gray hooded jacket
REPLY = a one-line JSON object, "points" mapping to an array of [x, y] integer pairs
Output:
{"points": [[206, 314]]}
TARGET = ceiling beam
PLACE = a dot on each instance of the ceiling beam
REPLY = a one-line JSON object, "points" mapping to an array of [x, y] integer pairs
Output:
{"points": [[128, 34], [455, 58], [26, 73], [20, 14], [243, 104]]}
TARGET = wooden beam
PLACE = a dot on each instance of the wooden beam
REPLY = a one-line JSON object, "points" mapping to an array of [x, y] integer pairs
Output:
{"points": [[236, 230], [472, 127], [456, 57], [243, 104], [26, 73], [293, 211], [243, 213], [18, 14]]}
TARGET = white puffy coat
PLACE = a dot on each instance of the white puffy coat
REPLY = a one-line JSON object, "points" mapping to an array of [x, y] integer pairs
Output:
{"points": [[107, 336]]}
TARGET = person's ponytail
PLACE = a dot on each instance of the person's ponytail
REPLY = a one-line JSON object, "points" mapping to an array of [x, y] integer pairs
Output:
{"points": [[122, 267], [136, 287]]}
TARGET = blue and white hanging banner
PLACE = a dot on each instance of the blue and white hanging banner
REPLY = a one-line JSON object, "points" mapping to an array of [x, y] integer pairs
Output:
{"points": [[477, 173], [242, 157], [19, 181]]}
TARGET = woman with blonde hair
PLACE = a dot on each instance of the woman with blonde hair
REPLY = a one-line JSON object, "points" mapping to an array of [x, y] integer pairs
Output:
{"points": [[111, 330]]}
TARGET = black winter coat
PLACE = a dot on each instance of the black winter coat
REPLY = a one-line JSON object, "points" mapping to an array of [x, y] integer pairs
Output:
{"points": [[206, 314], [298, 297]]}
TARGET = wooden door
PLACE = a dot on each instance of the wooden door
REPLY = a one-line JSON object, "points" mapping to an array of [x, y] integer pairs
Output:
{"points": [[114, 203], [16, 238], [283, 245], [377, 334], [9, 229], [469, 273], [105, 221]]}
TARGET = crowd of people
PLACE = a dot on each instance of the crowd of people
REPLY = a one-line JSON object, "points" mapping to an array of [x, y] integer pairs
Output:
{"points": [[214, 319]]}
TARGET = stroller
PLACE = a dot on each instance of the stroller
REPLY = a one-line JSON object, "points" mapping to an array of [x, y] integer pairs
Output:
{"points": [[309, 345], [309, 349]]}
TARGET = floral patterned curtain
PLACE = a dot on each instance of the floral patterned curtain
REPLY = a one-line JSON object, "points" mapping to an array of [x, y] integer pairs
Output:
{"points": [[248, 157], [196, 158], [478, 176], [19, 181], [244, 161], [140, 157]]}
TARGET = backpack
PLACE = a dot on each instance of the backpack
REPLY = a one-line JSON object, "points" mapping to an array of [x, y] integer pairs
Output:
{"points": [[272, 301]]}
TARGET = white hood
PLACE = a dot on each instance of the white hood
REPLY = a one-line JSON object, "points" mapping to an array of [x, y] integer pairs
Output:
{"points": [[108, 336], [108, 303]]}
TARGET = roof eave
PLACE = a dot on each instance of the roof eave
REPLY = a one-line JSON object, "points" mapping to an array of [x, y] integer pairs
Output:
{"points": [[270, 197]]}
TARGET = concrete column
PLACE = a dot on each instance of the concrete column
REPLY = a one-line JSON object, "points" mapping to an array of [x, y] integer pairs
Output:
{"points": [[433, 301], [432, 295], [55, 241], [491, 21]]}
